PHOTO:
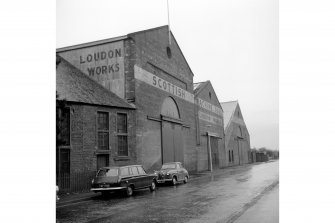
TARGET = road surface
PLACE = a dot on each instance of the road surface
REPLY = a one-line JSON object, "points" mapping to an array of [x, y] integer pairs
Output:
{"points": [[224, 196]]}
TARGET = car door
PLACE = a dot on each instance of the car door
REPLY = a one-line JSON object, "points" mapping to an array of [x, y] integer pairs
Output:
{"points": [[179, 172], [182, 172], [138, 182], [144, 177], [125, 175]]}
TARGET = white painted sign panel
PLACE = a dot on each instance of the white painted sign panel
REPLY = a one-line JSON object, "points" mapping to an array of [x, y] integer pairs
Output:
{"points": [[157, 82], [210, 118], [103, 63], [208, 106]]}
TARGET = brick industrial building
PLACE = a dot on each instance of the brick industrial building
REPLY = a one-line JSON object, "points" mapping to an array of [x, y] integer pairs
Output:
{"points": [[237, 140], [95, 128], [151, 91], [209, 127]]}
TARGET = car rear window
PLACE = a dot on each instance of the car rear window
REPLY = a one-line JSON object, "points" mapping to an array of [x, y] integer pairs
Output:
{"points": [[108, 173], [169, 166]]}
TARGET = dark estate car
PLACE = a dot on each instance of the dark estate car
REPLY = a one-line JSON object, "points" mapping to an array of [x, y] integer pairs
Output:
{"points": [[126, 178], [172, 172]]}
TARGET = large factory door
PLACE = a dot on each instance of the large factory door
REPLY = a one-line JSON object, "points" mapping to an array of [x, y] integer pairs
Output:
{"points": [[172, 137], [215, 152]]}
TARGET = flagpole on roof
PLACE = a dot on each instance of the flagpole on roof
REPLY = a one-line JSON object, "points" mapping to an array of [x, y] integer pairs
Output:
{"points": [[167, 2]]}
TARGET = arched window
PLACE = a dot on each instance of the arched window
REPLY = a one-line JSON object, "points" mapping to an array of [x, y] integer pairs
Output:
{"points": [[170, 108]]}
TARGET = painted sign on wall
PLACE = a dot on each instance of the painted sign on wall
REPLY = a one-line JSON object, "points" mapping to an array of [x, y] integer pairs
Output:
{"points": [[104, 63], [162, 84], [208, 106], [210, 118]]}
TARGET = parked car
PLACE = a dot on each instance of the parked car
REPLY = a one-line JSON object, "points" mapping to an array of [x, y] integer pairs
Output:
{"points": [[125, 178], [172, 172]]}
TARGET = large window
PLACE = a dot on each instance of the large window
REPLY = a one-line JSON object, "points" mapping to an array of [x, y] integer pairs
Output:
{"points": [[63, 127], [122, 134], [103, 131]]}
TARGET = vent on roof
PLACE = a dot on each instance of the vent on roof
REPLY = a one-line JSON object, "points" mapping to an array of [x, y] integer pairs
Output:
{"points": [[168, 52]]}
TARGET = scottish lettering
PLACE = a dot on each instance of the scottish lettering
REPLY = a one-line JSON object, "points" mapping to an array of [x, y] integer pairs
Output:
{"points": [[206, 105], [162, 84]]}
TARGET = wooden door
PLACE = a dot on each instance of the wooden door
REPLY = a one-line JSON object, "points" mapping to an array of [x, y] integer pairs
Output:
{"points": [[102, 160], [215, 152], [172, 141]]}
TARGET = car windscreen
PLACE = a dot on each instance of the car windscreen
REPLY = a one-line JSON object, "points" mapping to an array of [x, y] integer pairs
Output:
{"points": [[108, 173], [169, 166]]}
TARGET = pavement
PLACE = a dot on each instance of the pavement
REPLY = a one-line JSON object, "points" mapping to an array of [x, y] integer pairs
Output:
{"points": [[266, 209]]}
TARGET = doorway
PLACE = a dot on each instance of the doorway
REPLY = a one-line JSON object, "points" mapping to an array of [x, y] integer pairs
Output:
{"points": [[172, 135]]}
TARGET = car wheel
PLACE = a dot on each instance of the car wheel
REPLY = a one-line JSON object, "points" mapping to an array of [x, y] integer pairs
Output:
{"points": [[153, 186], [174, 181], [185, 179], [129, 191]]}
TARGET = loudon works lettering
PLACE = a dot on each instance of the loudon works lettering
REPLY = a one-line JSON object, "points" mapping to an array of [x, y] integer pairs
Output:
{"points": [[100, 58]]}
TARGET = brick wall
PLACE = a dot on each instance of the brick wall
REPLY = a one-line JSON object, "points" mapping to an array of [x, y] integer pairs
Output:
{"points": [[205, 126], [243, 148], [151, 55], [84, 143]]}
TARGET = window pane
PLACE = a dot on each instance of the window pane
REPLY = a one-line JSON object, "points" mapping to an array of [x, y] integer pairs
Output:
{"points": [[103, 140], [169, 166], [140, 170], [108, 172], [124, 172], [134, 169], [122, 123], [122, 145], [102, 121], [63, 123]]}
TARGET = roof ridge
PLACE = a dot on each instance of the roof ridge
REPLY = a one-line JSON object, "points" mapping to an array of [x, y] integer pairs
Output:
{"points": [[199, 89], [229, 101], [147, 30]]}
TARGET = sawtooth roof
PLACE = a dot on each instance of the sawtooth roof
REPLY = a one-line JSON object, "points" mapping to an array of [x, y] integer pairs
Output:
{"points": [[74, 86]]}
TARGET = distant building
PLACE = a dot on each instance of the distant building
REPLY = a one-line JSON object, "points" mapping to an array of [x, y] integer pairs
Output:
{"points": [[252, 156], [262, 157], [237, 140]]}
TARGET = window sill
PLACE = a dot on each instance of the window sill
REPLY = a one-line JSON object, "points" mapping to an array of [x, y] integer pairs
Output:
{"points": [[121, 158]]}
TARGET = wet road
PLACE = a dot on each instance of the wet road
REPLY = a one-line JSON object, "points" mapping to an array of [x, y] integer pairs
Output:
{"points": [[221, 197]]}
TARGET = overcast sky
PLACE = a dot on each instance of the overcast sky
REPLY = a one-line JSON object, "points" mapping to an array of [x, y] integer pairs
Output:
{"points": [[232, 43]]}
